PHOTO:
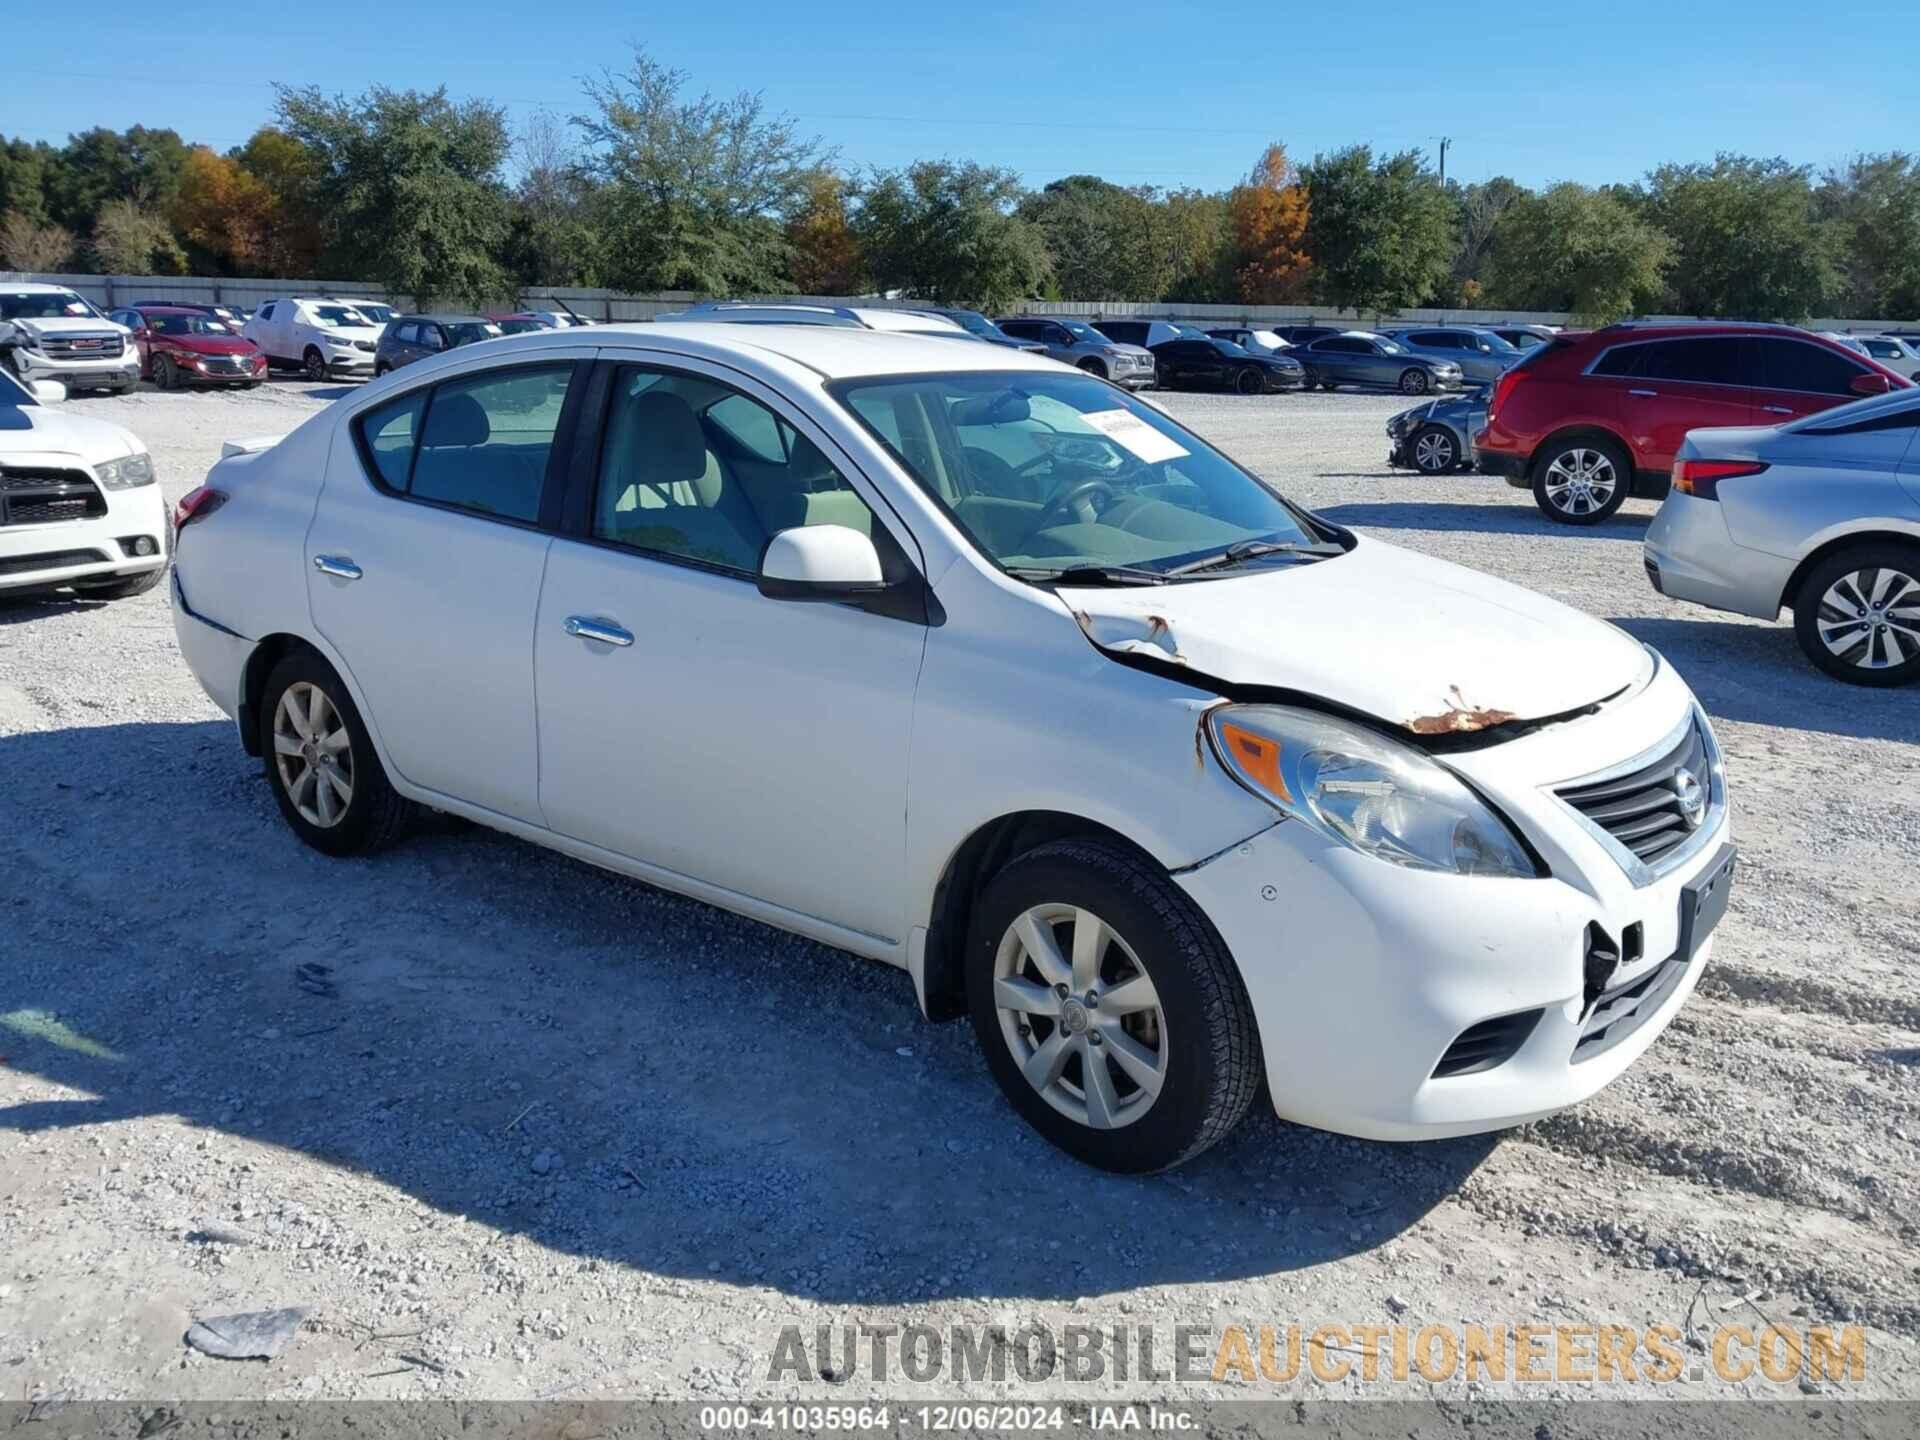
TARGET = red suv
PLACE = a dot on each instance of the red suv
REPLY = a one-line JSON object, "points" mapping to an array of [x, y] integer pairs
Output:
{"points": [[1591, 416]]}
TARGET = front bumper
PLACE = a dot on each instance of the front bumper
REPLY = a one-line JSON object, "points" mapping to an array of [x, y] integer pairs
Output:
{"points": [[250, 376], [65, 551], [1690, 555], [119, 372], [359, 362], [1363, 975]]}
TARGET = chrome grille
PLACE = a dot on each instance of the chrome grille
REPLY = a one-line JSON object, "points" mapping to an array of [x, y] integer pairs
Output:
{"points": [[82, 347], [1654, 809]]}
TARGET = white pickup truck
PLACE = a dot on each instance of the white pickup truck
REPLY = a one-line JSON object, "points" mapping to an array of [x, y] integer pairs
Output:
{"points": [[48, 332]]}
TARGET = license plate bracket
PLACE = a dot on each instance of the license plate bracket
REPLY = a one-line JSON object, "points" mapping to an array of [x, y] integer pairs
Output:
{"points": [[1703, 903]]}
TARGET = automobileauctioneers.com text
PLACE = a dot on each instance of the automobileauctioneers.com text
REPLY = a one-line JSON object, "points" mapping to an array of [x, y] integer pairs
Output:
{"points": [[1764, 1355]]}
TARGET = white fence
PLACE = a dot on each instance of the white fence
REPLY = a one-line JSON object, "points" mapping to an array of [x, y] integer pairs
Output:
{"points": [[108, 291]]}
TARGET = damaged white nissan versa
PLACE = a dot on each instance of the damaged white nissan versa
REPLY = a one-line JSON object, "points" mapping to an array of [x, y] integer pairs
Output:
{"points": [[978, 665]]}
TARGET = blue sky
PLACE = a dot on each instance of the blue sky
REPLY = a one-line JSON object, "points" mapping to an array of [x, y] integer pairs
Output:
{"points": [[1158, 94]]}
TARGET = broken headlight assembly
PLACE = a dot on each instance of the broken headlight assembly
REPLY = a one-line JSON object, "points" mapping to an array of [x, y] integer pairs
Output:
{"points": [[1363, 790]]}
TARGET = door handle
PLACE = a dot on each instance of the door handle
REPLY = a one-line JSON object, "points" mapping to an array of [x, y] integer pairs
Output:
{"points": [[586, 627], [1649, 394], [1776, 409], [338, 566]]}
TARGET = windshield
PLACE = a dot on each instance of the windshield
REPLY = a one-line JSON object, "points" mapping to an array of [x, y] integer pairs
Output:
{"points": [[338, 315], [468, 333], [185, 325], [376, 314], [57, 305], [1387, 347], [1497, 343], [1056, 472], [1085, 333]]}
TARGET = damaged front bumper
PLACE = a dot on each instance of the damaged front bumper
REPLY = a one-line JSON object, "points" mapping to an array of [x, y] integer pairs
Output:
{"points": [[1398, 1004]]}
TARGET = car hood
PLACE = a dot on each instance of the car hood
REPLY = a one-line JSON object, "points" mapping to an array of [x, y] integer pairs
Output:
{"points": [[1419, 643], [27, 431], [348, 333], [70, 325], [1126, 349], [212, 344]]}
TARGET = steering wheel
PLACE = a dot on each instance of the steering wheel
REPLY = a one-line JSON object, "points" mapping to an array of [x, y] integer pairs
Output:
{"points": [[1074, 504]]}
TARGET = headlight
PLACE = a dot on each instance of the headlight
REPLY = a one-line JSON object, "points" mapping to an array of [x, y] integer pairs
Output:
{"points": [[26, 339], [1363, 790], [127, 474]]}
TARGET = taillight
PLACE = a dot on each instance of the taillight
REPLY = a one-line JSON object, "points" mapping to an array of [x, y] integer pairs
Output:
{"points": [[1702, 478], [1502, 388], [197, 504]]}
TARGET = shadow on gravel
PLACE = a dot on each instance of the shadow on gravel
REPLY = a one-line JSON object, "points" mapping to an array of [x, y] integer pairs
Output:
{"points": [[1516, 519], [613, 1071], [20, 609], [1756, 674]]}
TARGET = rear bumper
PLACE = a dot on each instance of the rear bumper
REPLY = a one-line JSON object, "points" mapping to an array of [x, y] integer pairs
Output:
{"points": [[35, 556], [1689, 555], [216, 655], [1504, 463]]}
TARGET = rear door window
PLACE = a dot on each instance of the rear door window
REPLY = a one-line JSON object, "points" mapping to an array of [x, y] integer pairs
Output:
{"points": [[1811, 369]]}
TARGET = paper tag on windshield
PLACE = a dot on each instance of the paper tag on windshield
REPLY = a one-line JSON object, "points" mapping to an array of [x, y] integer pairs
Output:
{"points": [[1128, 429]]}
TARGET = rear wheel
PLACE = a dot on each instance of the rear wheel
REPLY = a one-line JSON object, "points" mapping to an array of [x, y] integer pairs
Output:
{"points": [[1110, 1012], [1414, 382], [1434, 450], [1581, 481], [1857, 615], [325, 775], [315, 364]]}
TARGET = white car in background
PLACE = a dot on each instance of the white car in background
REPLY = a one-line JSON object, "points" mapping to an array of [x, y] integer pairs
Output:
{"points": [[48, 332], [321, 338], [79, 507], [955, 657], [1892, 351], [376, 312]]}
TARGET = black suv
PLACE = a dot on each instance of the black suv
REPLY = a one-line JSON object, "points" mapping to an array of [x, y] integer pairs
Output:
{"points": [[408, 338]]}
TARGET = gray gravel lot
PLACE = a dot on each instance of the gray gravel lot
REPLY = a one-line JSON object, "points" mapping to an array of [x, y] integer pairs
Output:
{"points": [[555, 1133]]}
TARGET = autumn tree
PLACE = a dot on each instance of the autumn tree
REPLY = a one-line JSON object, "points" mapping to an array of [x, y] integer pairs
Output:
{"points": [[1269, 229], [223, 212], [33, 246], [292, 240], [129, 238], [825, 255]]}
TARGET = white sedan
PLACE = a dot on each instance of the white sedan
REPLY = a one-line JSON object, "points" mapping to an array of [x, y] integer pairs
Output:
{"points": [[79, 508], [963, 660]]}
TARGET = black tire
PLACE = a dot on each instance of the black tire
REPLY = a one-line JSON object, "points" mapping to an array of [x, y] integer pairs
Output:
{"points": [[1434, 450], [166, 375], [1328, 385], [1093, 367], [1249, 382], [1867, 655], [315, 365], [381, 369], [375, 815], [123, 589], [1567, 455], [1415, 381], [1212, 1050]]}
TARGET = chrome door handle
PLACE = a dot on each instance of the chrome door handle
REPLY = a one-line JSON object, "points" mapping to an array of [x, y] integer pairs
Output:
{"points": [[586, 627], [1776, 409], [1647, 393], [338, 566]]}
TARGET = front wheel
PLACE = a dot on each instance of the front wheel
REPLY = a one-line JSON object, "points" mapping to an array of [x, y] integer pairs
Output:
{"points": [[1581, 481], [320, 761], [166, 374], [1857, 615], [1435, 451], [1248, 382], [1415, 382], [1094, 367], [315, 365], [1328, 385], [1111, 1014]]}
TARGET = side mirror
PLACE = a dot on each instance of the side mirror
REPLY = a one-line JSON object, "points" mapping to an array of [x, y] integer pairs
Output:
{"points": [[1870, 383], [820, 562], [49, 392]]}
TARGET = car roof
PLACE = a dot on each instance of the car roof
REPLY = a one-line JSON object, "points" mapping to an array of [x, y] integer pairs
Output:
{"points": [[34, 287], [167, 309], [830, 351], [440, 319]]}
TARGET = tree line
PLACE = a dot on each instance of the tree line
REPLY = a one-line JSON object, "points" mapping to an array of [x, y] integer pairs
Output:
{"points": [[653, 187]]}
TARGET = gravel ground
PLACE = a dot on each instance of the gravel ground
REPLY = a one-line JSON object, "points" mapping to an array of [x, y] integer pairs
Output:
{"points": [[542, 1131]]}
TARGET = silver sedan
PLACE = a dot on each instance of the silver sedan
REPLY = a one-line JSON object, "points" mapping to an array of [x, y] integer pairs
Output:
{"points": [[1820, 516]]}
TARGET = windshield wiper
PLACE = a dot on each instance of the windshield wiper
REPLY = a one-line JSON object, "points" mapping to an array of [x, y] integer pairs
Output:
{"points": [[1090, 575], [1242, 551]]}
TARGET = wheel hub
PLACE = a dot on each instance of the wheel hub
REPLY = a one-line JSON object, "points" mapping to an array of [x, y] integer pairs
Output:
{"points": [[1074, 1018]]}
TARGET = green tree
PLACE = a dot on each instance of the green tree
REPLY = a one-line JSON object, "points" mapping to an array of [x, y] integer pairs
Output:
{"points": [[23, 178], [1194, 230], [291, 238], [693, 194], [1748, 244], [100, 165], [944, 230], [551, 239], [1576, 249], [1477, 211], [1873, 206], [409, 186], [130, 239], [1380, 231], [1101, 239]]}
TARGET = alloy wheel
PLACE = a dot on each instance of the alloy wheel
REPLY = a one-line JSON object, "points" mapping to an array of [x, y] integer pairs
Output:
{"points": [[1871, 618], [316, 367], [1581, 481], [1414, 382], [1433, 452], [314, 754], [1081, 1016]]}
